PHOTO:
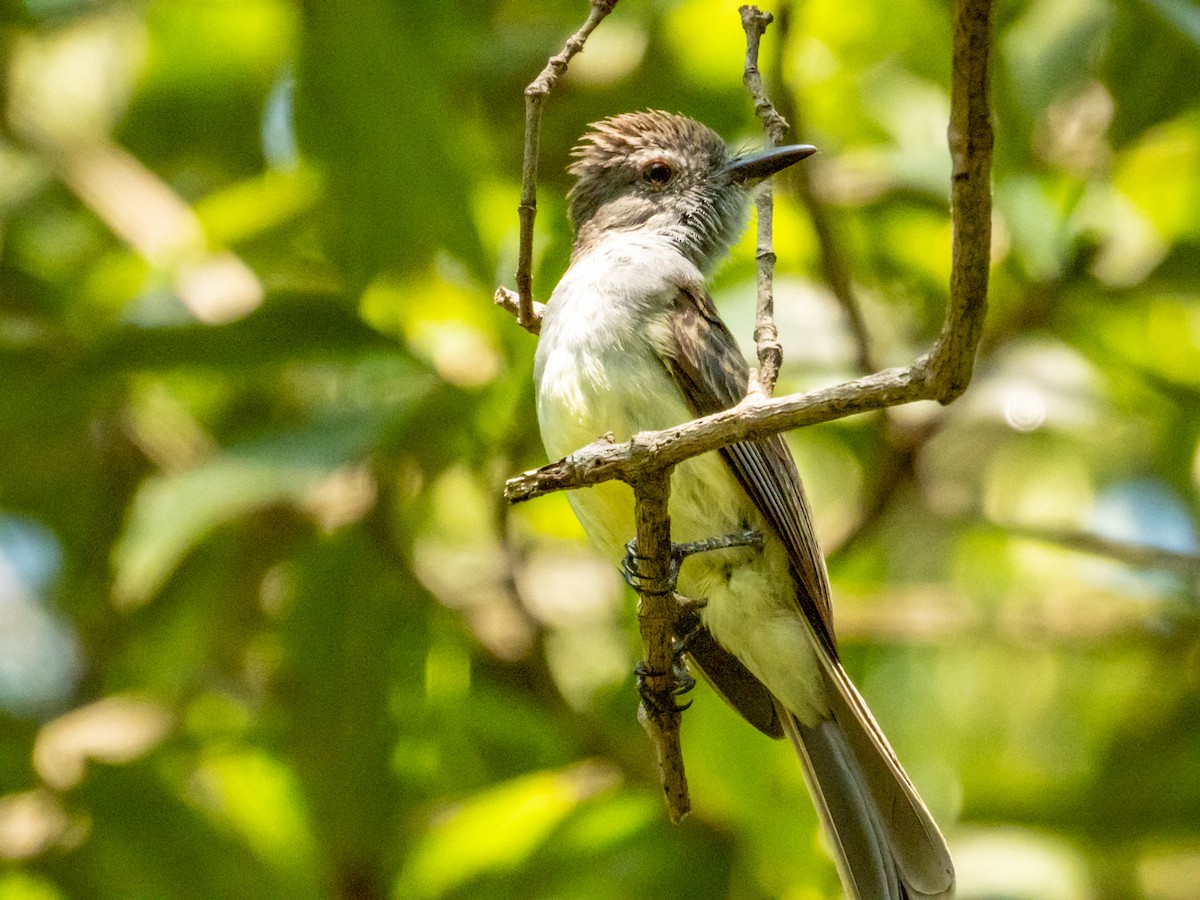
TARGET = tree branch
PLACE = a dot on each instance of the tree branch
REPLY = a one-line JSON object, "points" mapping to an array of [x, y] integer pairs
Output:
{"points": [[529, 313], [940, 375], [1136, 555], [657, 615], [970, 138], [766, 335], [753, 419]]}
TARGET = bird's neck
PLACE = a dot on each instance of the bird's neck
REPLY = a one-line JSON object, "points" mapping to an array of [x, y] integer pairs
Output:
{"points": [[619, 281], [698, 236], [615, 296]]}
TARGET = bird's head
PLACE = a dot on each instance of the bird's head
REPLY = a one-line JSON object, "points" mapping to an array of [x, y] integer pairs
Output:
{"points": [[670, 175]]}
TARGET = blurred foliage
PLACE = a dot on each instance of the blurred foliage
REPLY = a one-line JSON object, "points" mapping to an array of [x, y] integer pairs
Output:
{"points": [[266, 627]]}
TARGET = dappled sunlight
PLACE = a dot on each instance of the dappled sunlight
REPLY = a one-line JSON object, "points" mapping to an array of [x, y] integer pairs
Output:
{"points": [[613, 54], [500, 829], [32, 823], [268, 628], [1020, 865], [113, 730]]}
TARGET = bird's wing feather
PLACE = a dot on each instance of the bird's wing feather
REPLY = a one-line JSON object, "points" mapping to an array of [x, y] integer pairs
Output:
{"points": [[705, 361], [865, 796], [734, 683]]}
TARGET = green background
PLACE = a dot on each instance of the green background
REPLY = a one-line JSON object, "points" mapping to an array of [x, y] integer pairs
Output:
{"points": [[267, 628]]}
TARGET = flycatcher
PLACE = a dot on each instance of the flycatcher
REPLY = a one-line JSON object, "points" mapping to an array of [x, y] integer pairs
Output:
{"points": [[631, 342]]}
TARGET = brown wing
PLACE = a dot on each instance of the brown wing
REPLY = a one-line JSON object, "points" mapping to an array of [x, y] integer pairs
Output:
{"points": [[713, 375]]}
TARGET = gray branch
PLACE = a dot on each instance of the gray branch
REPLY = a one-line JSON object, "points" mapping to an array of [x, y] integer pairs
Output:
{"points": [[766, 335], [529, 313]]}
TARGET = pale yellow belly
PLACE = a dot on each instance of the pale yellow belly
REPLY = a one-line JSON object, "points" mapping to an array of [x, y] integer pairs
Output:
{"points": [[749, 592]]}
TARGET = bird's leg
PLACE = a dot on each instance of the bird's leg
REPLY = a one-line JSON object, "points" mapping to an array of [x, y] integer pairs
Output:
{"points": [[687, 628], [631, 570], [689, 625]]}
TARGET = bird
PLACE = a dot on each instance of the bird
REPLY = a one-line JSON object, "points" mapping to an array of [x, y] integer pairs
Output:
{"points": [[631, 341]]}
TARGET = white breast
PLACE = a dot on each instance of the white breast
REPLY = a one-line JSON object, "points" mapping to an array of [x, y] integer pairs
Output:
{"points": [[598, 372], [596, 369]]}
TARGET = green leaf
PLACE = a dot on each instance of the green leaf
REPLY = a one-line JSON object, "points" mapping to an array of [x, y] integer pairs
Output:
{"points": [[352, 646]]}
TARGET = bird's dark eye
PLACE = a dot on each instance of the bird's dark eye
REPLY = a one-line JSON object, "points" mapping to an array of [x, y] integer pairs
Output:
{"points": [[657, 172]]}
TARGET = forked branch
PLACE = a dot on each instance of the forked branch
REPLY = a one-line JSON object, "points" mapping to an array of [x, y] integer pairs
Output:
{"points": [[528, 312], [941, 375]]}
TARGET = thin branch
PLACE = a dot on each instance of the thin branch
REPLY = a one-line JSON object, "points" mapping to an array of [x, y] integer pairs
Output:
{"points": [[528, 314], [933, 615], [511, 303], [657, 616], [753, 419], [1137, 555], [754, 23], [766, 335], [970, 137]]}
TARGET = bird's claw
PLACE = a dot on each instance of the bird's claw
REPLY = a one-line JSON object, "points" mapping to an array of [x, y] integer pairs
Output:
{"points": [[687, 630], [664, 701], [631, 564], [631, 570]]}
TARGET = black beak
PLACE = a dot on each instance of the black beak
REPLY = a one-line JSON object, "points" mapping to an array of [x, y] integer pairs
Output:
{"points": [[754, 167]]}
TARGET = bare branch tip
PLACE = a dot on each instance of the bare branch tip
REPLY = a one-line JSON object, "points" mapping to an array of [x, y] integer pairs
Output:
{"points": [[755, 19], [510, 302]]}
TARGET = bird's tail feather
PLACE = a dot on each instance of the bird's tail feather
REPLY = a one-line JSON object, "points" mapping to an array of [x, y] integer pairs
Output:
{"points": [[886, 843]]}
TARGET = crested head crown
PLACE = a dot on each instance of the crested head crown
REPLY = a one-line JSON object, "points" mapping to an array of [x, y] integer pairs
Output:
{"points": [[629, 134]]}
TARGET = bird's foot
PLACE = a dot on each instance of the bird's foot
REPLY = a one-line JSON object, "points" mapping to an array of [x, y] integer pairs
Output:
{"points": [[631, 567], [687, 630], [665, 701], [688, 626]]}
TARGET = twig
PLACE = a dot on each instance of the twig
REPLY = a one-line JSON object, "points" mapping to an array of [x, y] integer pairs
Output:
{"points": [[754, 23], [754, 418], [1137, 555], [528, 313], [766, 335], [510, 302]]}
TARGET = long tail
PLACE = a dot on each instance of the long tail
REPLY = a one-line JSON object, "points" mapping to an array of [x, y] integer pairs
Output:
{"points": [[886, 843]]}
